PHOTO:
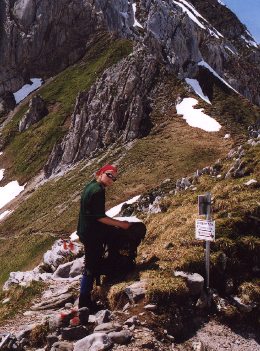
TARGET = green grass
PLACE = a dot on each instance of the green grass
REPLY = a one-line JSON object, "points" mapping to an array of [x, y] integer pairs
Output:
{"points": [[20, 300], [27, 152], [22, 253]]}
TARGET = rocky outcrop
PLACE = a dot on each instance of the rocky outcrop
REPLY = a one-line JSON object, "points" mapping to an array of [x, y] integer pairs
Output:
{"points": [[37, 110], [115, 109], [42, 38]]}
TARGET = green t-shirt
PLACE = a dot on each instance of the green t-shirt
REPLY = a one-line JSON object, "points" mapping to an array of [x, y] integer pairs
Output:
{"points": [[92, 207]]}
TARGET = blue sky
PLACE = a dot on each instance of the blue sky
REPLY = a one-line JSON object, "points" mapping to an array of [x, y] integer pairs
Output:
{"points": [[248, 11]]}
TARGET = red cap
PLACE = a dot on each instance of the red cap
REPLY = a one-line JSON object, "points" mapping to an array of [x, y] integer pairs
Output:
{"points": [[106, 168]]}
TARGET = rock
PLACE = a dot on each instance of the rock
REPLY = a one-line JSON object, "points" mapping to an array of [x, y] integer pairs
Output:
{"points": [[59, 252], [53, 303], [37, 110], [103, 316], [63, 271], [77, 267], [151, 307], [94, 342], [25, 278], [108, 327], [195, 281], [168, 246], [74, 333], [132, 321], [119, 98], [122, 337], [251, 182], [62, 346], [244, 308], [136, 291]]}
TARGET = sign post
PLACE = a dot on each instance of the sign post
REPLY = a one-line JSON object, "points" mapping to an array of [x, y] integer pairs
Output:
{"points": [[205, 229]]}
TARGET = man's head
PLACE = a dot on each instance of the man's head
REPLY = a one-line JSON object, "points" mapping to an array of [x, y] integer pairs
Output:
{"points": [[107, 175]]}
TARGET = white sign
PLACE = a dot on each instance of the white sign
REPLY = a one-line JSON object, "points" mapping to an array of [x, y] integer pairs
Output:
{"points": [[205, 230]]}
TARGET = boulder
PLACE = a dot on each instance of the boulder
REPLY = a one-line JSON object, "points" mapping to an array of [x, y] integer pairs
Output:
{"points": [[121, 337], [195, 281], [136, 291], [77, 267], [54, 303], [63, 271], [103, 316], [94, 342], [132, 321]]}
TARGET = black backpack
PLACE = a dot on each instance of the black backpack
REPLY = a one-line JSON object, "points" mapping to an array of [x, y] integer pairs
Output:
{"points": [[120, 252]]}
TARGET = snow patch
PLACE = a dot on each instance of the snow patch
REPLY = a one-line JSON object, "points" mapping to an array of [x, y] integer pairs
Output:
{"points": [[136, 23], [227, 47], [9, 192], [115, 210], [221, 3], [128, 219], [1, 174], [5, 213], [195, 117], [197, 88], [250, 42], [27, 89], [190, 14], [205, 64]]}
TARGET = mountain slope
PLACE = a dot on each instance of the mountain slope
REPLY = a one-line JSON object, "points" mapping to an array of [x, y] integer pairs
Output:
{"points": [[118, 104]]}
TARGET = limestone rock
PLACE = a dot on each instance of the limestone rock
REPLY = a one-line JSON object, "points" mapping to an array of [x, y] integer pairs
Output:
{"points": [[53, 303], [122, 337], [195, 281], [136, 291], [37, 110], [63, 271], [103, 316], [115, 109], [94, 342]]}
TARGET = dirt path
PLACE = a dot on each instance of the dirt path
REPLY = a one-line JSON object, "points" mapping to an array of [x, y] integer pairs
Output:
{"points": [[213, 336]]}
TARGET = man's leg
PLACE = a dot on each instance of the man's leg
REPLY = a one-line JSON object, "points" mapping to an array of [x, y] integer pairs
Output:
{"points": [[86, 287]]}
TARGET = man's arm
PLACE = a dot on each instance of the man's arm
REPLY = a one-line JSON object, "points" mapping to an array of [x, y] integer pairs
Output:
{"points": [[114, 222]]}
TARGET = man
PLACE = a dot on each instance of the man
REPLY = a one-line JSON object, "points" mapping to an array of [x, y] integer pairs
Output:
{"points": [[95, 228]]}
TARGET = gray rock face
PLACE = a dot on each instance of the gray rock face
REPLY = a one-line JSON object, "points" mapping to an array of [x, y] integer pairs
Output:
{"points": [[37, 110], [115, 109], [43, 37], [40, 38]]}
